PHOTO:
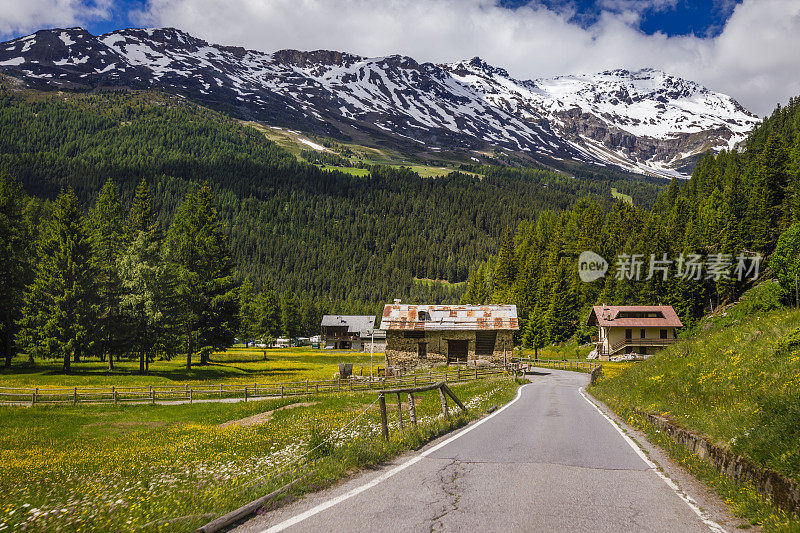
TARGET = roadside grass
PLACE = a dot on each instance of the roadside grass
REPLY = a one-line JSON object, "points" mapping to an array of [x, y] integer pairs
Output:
{"points": [[172, 468], [735, 379], [236, 365]]}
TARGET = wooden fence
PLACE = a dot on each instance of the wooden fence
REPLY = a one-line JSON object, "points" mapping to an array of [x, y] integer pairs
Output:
{"points": [[186, 393], [444, 392], [575, 366]]}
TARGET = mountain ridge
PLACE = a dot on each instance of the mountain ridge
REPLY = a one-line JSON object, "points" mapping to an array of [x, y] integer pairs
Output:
{"points": [[643, 121]]}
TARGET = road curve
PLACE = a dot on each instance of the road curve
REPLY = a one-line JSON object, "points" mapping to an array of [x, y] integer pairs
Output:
{"points": [[549, 461]]}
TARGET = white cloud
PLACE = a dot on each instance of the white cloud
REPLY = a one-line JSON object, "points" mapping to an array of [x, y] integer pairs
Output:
{"points": [[24, 16]]}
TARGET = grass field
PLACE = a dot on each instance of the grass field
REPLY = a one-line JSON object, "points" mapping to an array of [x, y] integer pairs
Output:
{"points": [[237, 365], [735, 379], [620, 196], [347, 170], [173, 468]]}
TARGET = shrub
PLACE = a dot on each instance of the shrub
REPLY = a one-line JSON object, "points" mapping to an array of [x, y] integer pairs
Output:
{"points": [[785, 261], [763, 297]]}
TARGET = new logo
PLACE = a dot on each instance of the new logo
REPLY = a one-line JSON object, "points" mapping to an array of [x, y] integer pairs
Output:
{"points": [[591, 266]]}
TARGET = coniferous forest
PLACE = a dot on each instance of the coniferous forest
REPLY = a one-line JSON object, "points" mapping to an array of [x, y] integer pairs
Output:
{"points": [[739, 204], [140, 223]]}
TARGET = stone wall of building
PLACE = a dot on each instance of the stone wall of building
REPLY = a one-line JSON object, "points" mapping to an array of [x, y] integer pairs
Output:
{"points": [[404, 352]]}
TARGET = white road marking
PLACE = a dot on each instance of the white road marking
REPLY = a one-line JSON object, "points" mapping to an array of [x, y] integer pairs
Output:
{"points": [[386, 475], [691, 502]]}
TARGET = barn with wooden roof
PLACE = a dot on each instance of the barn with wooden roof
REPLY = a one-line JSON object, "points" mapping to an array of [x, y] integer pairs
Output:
{"points": [[453, 334]]}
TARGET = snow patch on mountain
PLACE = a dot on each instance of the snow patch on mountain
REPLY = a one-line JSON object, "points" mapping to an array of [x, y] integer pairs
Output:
{"points": [[645, 120]]}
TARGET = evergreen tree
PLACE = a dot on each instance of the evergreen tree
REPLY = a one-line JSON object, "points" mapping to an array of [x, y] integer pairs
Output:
{"points": [[249, 313], [270, 323], [15, 260], [290, 315], [206, 285], [59, 305], [148, 304], [108, 234]]}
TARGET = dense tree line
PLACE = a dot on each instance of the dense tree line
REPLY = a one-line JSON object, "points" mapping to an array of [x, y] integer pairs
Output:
{"points": [[704, 236], [115, 283], [341, 241]]}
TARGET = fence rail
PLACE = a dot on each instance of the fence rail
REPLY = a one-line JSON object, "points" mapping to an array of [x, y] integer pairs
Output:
{"points": [[577, 366], [186, 393]]}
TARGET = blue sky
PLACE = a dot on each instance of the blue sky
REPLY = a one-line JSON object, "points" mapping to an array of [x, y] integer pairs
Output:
{"points": [[744, 48]]}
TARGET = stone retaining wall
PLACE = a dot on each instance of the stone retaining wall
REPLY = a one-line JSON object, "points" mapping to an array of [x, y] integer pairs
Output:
{"points": [[783, 491]]}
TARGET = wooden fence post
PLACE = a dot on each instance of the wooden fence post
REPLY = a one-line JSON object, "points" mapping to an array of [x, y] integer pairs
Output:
{"points": [[75, 396], [400, 410], [245, 393], [114, 392], [220, 390], [34, 395], [306, 387], [415, 380], [186, 390], [255, 390], [281, 390], [412, 412], [191, 394], [152, 395], [384, 424], [476, 371], [443, 397]]}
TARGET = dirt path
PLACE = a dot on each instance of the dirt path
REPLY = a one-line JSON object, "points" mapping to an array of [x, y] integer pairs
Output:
{"points": [[260, 418]]}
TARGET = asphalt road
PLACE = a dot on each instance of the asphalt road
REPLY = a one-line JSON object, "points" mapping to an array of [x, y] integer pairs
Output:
{"points": [[549, 461]]}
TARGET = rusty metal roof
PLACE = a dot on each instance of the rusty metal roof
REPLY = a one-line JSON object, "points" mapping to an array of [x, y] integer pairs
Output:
{"points": [[615, 316], [449, 317]]}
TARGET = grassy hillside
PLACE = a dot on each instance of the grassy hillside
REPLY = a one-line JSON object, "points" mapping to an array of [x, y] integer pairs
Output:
{"points": [[736, 378]]}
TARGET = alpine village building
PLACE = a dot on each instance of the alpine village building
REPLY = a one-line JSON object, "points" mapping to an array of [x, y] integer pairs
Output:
{"points": [[452, 334], [351, 332], [639, 329]]}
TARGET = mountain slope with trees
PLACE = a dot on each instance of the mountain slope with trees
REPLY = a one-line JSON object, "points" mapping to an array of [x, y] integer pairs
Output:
{"points": [[734, 209], [326, 235]]}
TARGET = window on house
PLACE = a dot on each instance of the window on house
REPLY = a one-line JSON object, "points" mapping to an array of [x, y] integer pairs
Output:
{"points": [[413, 334], [422, 350], [628, 334], [641, 333], [663, 334]]}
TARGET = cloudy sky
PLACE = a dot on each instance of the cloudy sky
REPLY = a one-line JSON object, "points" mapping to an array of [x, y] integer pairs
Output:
{"points": [[748, 49]]}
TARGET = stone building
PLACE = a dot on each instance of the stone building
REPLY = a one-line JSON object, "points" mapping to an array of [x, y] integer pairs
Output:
{"points": [[452, 334]]}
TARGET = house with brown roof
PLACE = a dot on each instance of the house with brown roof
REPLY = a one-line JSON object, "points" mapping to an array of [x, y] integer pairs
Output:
{"points": [[639, 329], [452, 334]]}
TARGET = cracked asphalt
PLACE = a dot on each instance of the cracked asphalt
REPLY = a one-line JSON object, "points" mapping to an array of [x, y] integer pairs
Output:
{"points": [[548, 462]]}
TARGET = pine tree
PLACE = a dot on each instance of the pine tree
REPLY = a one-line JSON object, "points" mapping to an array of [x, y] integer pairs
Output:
{"points": [[148, 306], [248, 312], [141, 216], [290, 315], [60, 303], [206, 285], [270, 323], [15, 260], [108, 234]]}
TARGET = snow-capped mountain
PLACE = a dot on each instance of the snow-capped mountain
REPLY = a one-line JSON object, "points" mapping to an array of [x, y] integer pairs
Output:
{"points": [[646, 121]]}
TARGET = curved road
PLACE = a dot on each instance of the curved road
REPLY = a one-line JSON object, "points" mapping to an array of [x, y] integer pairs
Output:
{"points": [[548, 461]]}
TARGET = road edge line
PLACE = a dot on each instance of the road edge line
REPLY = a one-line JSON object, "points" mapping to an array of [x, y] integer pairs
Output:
{"points": [[386, 475], [688, 500]]}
